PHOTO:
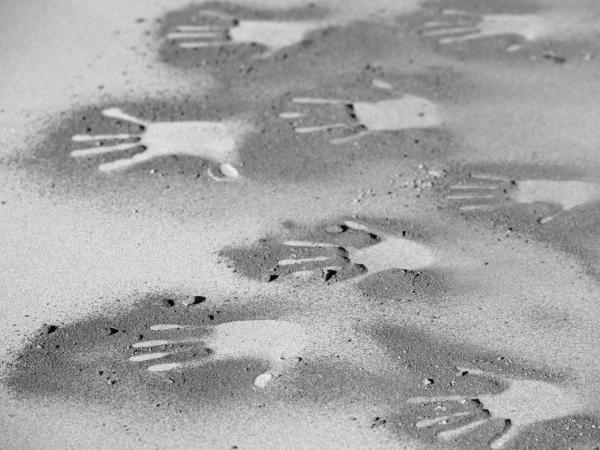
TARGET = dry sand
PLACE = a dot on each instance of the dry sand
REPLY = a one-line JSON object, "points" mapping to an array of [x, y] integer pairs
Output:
{"points": [[330, 225]]}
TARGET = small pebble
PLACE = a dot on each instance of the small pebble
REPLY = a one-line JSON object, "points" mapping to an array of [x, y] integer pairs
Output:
{"points": [[381, 84], [334, 229], [378, 421], [167, 303], [262, 380], [329, 274], [194, 300], [48, 329], [551, 55], [427, 381]]}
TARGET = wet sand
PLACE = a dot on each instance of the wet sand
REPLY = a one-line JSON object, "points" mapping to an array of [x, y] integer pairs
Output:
{"points": [[303, 225]]}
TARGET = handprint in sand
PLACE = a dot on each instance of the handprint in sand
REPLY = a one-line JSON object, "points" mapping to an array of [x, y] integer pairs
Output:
{"points": [[215, 142], [382, 252], [522, 404], [216, 29], [277, 343], [485, 192], [461, 26], [365, 118]]}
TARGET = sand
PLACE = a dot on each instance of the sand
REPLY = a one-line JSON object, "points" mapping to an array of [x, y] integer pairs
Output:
{"points": [[280, 224]]}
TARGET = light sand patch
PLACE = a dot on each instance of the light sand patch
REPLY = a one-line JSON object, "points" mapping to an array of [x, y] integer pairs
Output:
{"points": [[279, 343], [567, 194]]}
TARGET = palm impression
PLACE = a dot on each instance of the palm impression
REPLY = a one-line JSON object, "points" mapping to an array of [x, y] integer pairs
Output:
{"points": [[365, 118], [279, 344], [217, 142], [522, 404], [485, 192], [461, 26], [169, 347], [343, 251], [215, 29]]}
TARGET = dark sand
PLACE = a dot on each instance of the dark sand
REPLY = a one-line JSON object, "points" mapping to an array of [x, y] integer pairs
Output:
{"points": [[433, 365], [525, 219], [86, 361], [260, 261]]}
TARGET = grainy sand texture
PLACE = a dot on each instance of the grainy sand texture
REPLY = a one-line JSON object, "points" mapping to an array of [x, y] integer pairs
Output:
{"points": [[267, 224]]}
